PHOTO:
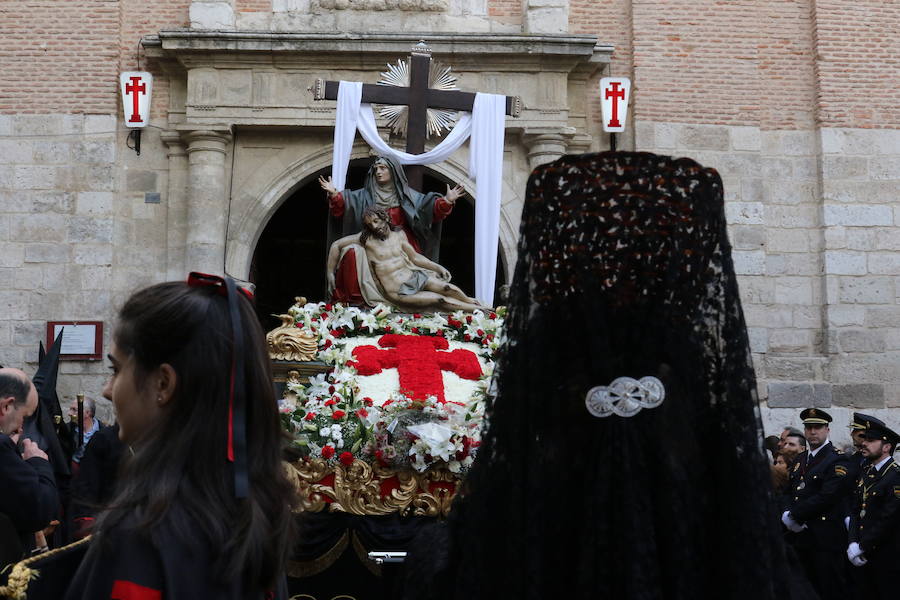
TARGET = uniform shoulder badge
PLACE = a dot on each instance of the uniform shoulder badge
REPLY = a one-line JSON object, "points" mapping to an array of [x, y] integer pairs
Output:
{"points": [[840, 471]]}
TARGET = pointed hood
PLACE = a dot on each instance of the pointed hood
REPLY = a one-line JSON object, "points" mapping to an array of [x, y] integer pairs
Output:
{"points": [[44, 424]]}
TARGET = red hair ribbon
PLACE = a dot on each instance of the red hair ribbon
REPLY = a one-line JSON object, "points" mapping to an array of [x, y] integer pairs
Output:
{"points": [[196, 279]]}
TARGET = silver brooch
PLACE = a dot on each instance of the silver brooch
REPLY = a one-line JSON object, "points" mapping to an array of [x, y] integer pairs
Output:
{"points": [[625, 397]]}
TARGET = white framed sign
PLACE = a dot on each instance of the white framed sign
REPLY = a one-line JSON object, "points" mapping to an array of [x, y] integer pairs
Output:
{"points": [[136, 87], [615, 93], [82, 340]]}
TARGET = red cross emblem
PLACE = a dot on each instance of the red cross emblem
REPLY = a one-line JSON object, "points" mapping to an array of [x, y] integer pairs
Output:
{"points": [[614, 96], [419, 361], [135, 88]]}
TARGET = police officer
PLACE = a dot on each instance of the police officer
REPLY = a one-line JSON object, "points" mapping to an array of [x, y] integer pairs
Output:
{"points": [[820, 483], [875, 523]]}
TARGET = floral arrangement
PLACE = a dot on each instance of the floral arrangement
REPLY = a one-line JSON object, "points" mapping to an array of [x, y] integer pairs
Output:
{"points": [[404, 391]]}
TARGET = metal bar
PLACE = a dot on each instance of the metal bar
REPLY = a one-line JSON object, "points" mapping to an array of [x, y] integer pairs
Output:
{"points": [[79, 399]]}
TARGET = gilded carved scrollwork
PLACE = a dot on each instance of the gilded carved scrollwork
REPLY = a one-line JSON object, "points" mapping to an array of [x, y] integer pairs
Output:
{"points": [[357, 489], [286, 342]]}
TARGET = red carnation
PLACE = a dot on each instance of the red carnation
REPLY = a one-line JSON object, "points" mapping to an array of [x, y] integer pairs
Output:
{"points": [[328, 307], [467, 338], [346, 458], [386, 403], [480, 332], [379, 456], [417, 316], [330, 389], [468, 318], [493, 315], [337, 415], [415, 330], [362, 413], [327, 345], [331, 402], [368, 401], [309, 416], [327, 452]]}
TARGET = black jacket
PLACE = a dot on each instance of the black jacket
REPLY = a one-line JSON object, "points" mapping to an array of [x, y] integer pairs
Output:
{"points": [[819, 495], [27, 490], [875, 522]]}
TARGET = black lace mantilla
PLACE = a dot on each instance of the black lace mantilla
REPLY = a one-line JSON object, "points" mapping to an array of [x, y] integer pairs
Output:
{"points": [[624, 270]]}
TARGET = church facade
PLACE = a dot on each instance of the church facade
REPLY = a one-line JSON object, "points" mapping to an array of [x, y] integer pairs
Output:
{"points": [[795, 103]]}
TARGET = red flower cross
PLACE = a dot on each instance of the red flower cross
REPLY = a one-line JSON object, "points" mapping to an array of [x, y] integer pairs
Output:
{"points": [[418, 362]]}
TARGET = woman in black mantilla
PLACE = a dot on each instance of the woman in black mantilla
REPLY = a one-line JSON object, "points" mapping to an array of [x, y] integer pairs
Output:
{"points": [[624, 271], [204, 506]]}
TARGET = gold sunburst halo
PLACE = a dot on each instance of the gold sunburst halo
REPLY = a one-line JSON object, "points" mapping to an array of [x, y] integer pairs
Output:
{"points": [[440, 77]]}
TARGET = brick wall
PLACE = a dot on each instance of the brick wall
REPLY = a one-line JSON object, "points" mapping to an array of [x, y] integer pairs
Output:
{"points": [[253, 6], [505, 8], [59, 57], [695, 62], [858, 46], [65, 57]]}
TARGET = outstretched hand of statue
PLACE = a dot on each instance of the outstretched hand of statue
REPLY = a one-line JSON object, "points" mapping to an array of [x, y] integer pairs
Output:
{"points": [[453, 194], [327, 185]]}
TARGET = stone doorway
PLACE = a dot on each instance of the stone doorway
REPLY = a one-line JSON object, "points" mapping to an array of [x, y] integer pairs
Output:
{"points": [[289, 258]]}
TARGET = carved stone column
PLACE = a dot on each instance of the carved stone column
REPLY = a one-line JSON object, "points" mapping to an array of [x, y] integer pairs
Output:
{"points": [[545, 145], [176, 204], [207, 206]]}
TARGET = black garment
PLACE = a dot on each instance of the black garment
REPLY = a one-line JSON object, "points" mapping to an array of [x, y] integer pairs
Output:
{"points": [[95, 482], [27, 491], [624, 270], [138, 568], [821, 489], [875, 526]]}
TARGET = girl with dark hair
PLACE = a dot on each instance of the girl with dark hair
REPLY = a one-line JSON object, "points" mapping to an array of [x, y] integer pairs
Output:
{"points": [[203, 508]]}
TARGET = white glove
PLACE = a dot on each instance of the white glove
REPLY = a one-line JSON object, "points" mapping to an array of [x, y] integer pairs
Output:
{"points": [[847, 523], [855, 554], [790, 523]]}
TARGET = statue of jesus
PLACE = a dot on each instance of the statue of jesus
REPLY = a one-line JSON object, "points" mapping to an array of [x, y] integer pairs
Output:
{"points": [[394, 272], [418, 215]]}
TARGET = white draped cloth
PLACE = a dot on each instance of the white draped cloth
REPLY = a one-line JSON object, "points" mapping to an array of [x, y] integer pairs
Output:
{"points": [[484, 127]]}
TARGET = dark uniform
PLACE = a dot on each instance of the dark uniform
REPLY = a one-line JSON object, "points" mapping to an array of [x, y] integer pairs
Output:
{"points": [[858, 464], [820, 486], [875, 522]]}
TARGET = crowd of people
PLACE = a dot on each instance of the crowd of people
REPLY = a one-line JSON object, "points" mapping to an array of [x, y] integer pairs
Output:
{"points": [[840, 510]]}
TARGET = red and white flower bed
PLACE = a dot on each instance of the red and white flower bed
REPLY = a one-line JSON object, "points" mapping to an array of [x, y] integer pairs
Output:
{"points": [[405, 390]]}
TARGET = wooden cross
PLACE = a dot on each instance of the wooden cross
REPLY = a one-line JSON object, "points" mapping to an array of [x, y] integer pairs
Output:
{"points": [[418, 97]]}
